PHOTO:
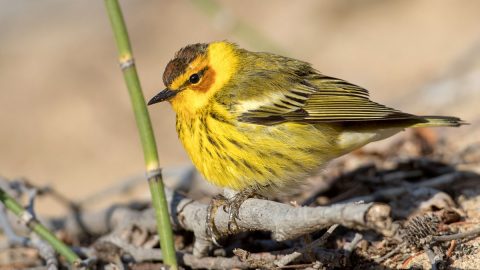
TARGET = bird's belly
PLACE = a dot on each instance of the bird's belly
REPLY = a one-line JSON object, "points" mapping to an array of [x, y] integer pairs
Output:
{"points": [[243, 155]]}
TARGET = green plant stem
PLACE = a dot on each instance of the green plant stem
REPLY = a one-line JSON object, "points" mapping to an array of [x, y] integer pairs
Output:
{"points": [[32, 223], [146, 133]]}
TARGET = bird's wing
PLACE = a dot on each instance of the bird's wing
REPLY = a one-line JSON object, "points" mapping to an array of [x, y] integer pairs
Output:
{"points": [[319, 99]]}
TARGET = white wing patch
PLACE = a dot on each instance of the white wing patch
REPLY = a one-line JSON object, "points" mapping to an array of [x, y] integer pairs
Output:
{"points": [[244, 106]]}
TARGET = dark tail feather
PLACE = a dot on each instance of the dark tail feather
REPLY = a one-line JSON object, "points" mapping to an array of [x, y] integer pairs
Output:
{"points": [[440, 121]]}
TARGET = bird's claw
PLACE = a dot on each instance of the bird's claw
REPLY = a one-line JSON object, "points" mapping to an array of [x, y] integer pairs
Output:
{"points": [[233, 209], [230, 206], [211, 230]]}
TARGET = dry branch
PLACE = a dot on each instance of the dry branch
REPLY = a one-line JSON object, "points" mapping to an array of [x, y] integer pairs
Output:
{"points": [[282, 220]]}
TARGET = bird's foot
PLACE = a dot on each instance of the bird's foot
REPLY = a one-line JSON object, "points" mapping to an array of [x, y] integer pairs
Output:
{"points": [[212, 231], [232, 207]]}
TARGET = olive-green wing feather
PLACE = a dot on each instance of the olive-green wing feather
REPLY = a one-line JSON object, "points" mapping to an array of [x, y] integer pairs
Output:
{"points": [[319, 98]]}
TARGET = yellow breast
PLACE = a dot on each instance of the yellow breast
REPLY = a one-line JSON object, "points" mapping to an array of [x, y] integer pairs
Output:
{"points": [[241, 155]]}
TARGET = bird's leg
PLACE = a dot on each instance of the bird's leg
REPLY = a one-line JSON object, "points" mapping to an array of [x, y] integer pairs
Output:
{"points": [[232, 207], [212, 230]]}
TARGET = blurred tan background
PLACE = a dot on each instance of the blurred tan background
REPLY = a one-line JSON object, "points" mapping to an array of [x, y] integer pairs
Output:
{"points": [[65, 114]]}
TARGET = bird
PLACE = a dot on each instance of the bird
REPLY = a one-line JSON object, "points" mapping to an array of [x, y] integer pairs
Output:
{"points": [[262, 123]]}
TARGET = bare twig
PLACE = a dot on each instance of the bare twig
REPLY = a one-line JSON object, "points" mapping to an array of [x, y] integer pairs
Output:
{"points": [[32, 195], [434, 257], [45, 251], [12, 237], [283, 261], [351, 246], [266, 260], [391, 252], [323, 239], [451, 248], [294, 255], [456, 236]]}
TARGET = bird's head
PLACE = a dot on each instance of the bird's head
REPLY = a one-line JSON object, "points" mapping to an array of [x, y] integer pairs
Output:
{"points": [[196, 73]]}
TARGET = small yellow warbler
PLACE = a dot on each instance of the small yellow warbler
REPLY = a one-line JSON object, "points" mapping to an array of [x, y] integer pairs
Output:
{"points": [[264, 121], [256, 121]]}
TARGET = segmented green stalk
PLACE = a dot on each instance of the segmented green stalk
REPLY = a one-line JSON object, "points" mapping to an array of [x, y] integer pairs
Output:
{"points": [[146, 133], [32, 223]]}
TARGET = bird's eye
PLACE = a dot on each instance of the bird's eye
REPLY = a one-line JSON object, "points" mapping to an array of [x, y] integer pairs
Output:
{"points": [[194, 78]]}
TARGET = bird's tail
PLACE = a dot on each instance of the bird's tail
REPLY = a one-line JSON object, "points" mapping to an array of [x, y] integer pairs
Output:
{"points": [[440, 121]]}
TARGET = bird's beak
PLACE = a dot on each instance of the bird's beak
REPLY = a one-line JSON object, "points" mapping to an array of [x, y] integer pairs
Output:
{"points": [[165, 94]]}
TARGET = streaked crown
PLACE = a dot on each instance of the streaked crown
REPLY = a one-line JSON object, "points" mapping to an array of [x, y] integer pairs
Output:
{"points": [[182, 60]]}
